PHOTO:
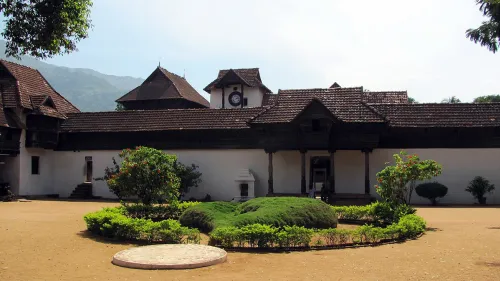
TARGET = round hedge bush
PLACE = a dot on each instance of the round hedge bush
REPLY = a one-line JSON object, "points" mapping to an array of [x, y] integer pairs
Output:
{"points": [[431, 191], [273, 211]]}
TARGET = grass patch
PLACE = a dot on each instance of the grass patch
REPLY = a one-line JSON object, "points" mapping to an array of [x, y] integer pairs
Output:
{"points": [[274, 211]]}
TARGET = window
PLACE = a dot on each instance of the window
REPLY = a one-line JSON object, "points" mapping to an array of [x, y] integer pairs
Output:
{"points": [[35, 164], [316, 126], [245, 101]]}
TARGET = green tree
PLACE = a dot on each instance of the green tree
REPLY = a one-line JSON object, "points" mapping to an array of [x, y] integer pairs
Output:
{"points": [[412, 100], [188, 175], [452, 99], [488, 33], [145, 173], [44, 28], [397, 182], [490, 98], [119, 107]]}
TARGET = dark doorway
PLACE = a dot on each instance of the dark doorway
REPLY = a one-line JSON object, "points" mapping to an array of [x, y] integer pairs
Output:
{"points": [[319, 172], [89, 171]]}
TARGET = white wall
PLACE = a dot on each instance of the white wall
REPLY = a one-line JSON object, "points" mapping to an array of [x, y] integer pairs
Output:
{"points": [[254, 95], [218, 167], [460, 166]]}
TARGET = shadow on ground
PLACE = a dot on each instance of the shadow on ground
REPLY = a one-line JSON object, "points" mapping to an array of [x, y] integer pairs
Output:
{"points": [[89, 235]]}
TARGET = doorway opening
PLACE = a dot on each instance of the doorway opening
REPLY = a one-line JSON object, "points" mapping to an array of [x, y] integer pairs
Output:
{"points": [[88, 169]]}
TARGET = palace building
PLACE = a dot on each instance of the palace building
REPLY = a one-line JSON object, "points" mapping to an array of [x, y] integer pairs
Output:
{"points": [[247, 141]]}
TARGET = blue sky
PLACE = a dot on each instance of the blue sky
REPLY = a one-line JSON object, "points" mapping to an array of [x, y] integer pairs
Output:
{"points": [[419, 46]]}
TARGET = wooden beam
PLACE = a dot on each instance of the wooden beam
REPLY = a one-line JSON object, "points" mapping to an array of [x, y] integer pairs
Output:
{"points": [[367, 170], [270, 187], [332, 172], [223, 97], [303, 171], [242, 96]]}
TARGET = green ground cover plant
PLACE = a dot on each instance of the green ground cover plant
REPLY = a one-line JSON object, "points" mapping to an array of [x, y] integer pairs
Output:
{"points": [[274, 211]]}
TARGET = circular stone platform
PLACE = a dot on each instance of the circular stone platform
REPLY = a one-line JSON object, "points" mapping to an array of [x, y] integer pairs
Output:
{"points": [[170, 256]]}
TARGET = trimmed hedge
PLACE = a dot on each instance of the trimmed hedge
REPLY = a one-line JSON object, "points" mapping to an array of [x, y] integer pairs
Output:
{"points": [[113, 223], [432, 191], [274, 211], [266, 236], [158, 212], [379, 213]]}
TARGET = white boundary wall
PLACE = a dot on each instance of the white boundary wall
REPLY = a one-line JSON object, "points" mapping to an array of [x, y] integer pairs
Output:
{"points": [[62, 171]]}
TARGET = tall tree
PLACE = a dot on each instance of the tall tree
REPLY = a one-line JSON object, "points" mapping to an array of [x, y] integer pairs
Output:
{"points": [[488, 33], [44, 28], [490, 98], [452, 99]]}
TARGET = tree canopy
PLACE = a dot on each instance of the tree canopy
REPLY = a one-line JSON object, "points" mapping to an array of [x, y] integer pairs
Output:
{"points": [[488, 33], [44, 28], [412, 100], [490, 98], [452, 99]]}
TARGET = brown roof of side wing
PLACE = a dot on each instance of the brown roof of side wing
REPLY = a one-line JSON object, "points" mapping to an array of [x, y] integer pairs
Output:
{"points": [[159, 120], [31, 82], [251, 77]]}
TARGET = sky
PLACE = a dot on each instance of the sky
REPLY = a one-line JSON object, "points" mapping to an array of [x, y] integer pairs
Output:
{"points": [[418, 46]]}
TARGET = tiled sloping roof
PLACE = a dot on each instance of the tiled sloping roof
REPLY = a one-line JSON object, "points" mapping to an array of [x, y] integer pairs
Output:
{"points": [[9, 92], [31, 82], [441, 115], [159, 120], [37, 100], [344, 103], [162, 84], [185, 89], [386, 97], [250, 75], [269, 99]]}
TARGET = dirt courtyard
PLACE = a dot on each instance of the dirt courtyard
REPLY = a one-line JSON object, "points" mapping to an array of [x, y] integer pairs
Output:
{"points": [[46, 240]]}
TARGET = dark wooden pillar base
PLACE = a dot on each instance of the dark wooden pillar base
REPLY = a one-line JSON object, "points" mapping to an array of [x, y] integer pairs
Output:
{"points": [[331, 190], [367, 170], [270, 184], [303, 171]]}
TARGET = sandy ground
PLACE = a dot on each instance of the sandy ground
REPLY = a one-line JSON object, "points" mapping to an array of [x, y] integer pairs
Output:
{"points": [[46, 240]]}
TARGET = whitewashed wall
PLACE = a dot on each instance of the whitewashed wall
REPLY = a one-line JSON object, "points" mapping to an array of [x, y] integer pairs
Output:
{"points": [[62, 171], [254, 95], [460, 166]]}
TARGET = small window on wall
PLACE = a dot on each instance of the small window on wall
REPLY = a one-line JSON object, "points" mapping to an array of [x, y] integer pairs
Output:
{"points": [[35, 165], [245, 101]]}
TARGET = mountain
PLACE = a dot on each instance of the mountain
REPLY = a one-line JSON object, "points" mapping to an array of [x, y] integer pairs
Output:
{"points": [[87, 89]]}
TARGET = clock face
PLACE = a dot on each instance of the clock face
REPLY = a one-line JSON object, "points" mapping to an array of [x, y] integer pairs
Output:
{"points": [[235, 98]]}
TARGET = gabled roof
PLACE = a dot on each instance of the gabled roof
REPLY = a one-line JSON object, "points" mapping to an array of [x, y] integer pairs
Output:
{"points": [[441, 114], [29, 82], [346, 104], [159, 120], [247, 76], [386, 97], [162, 84]]}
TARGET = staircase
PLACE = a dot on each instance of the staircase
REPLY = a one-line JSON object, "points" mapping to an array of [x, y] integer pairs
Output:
{"points": [[82, 191]]}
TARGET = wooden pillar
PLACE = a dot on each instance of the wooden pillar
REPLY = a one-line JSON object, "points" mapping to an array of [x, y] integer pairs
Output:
{"points": [[303, 171], [270, 188], [332, 172], [223, 97], [242, 96], [367, 170]]}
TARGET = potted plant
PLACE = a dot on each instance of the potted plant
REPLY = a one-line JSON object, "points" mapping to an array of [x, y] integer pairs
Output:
{"points": [[479, 187]]}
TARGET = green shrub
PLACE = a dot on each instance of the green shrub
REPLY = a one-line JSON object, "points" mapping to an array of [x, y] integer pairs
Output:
{"points": [[113, 223], [275, 211], [378, 212], [261, 236], [158, 212], [431, 191], [479, 187], [334, 236], [410, 226]]}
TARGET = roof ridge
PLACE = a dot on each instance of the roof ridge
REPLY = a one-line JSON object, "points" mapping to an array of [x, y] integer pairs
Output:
{"points": [[375, 111], [7, 61]]}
